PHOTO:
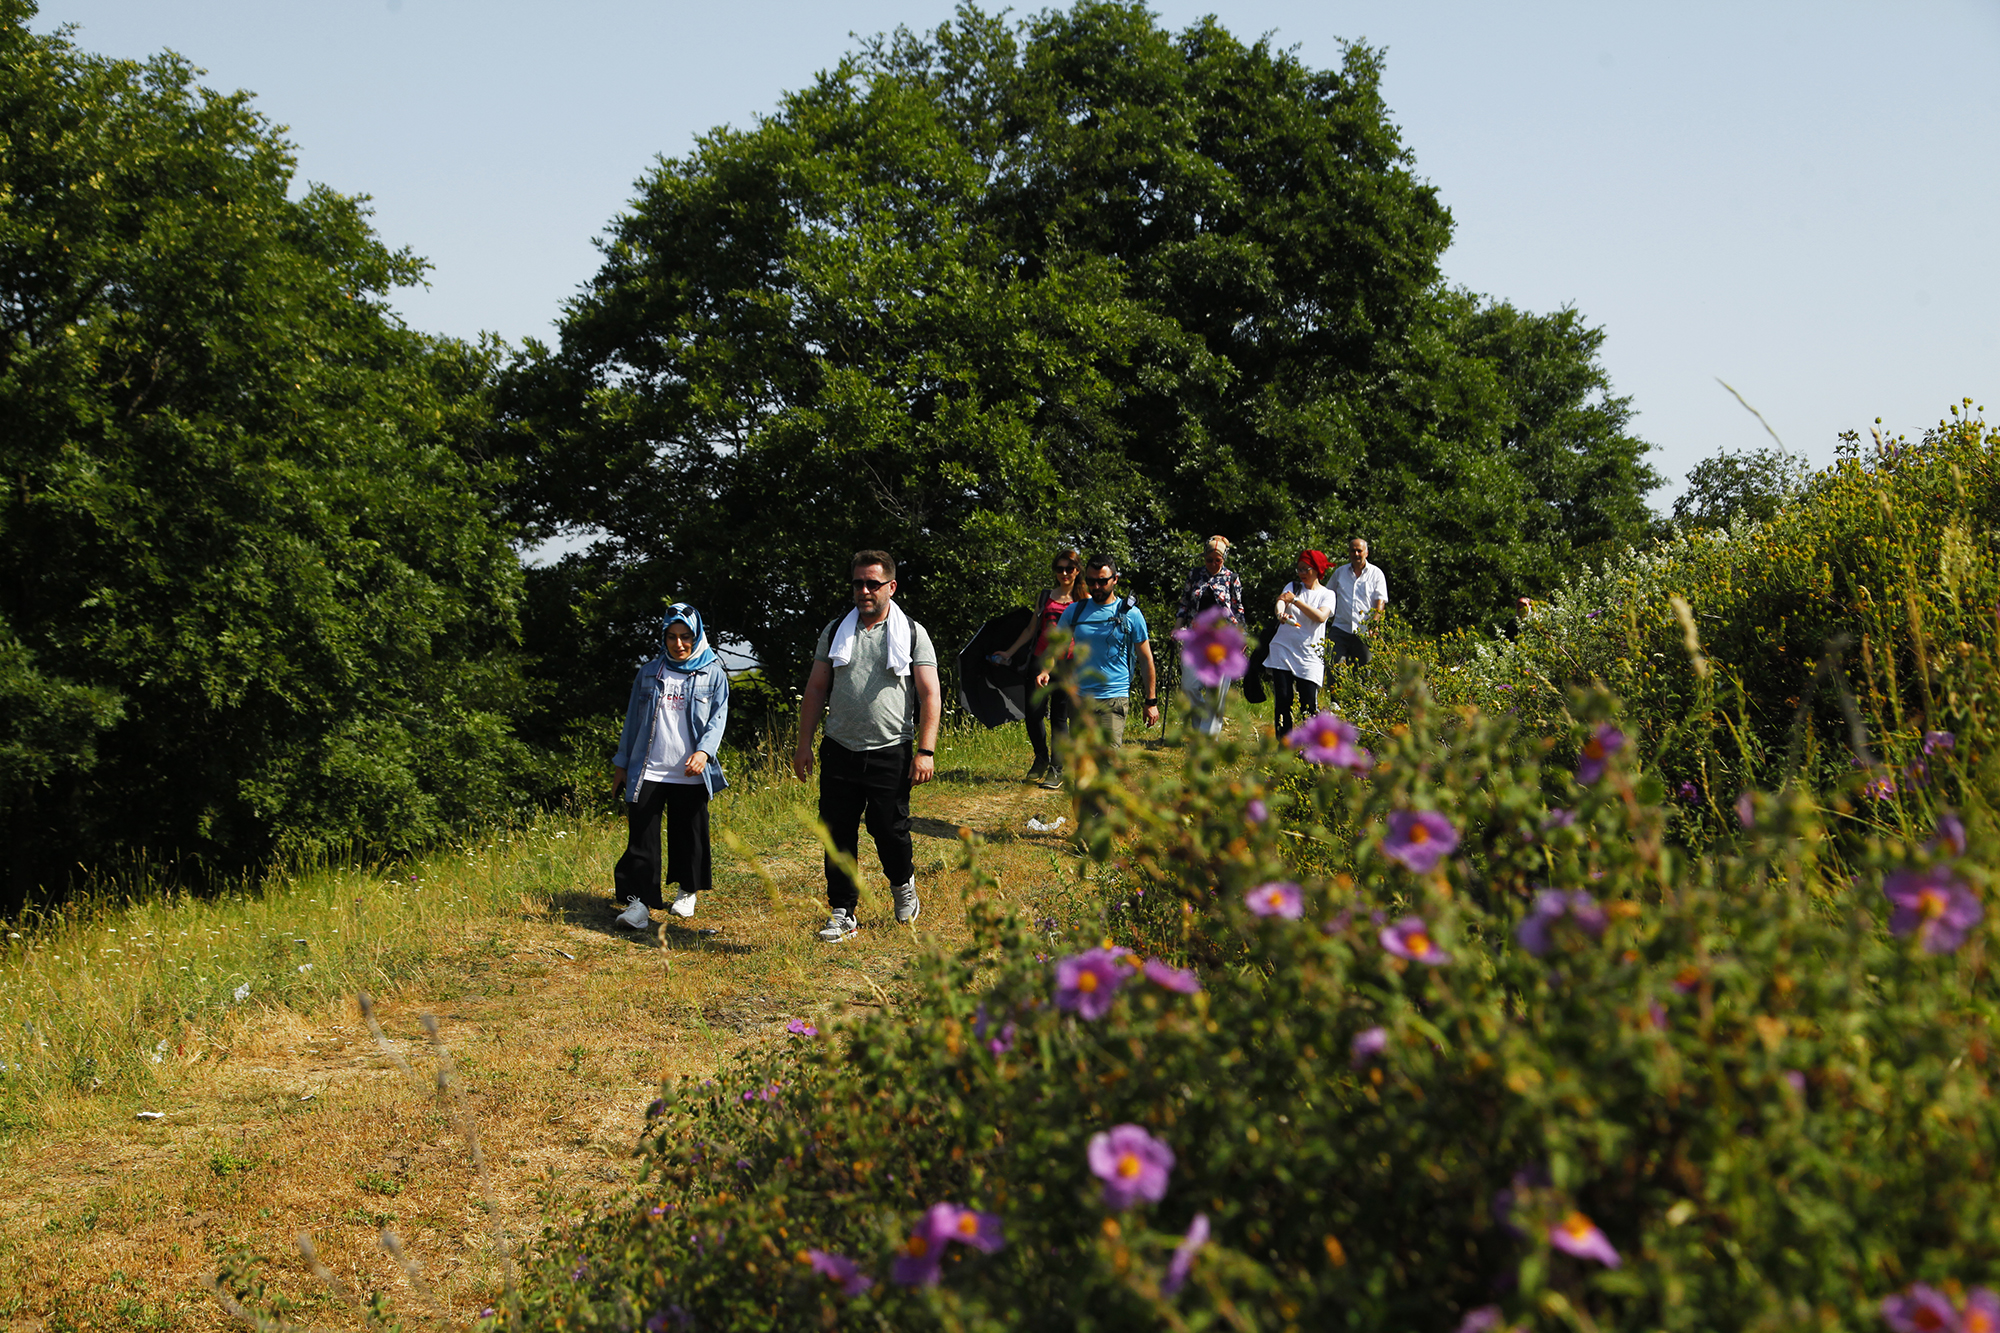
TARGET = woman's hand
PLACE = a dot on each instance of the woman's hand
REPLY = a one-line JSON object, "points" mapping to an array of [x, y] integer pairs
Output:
{"points": [[696, 762]]}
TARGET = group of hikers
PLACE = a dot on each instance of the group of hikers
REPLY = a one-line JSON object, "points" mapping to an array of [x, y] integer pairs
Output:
{"points": [[874, 691]]}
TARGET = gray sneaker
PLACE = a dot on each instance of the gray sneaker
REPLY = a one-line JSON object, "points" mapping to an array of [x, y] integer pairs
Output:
{"points": [[683, 905], [907, 906], [839, 926], [635, 915], [1052, 782]]}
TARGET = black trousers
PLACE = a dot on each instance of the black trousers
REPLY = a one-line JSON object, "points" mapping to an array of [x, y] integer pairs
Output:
{"points": [[1347, 647], [870, 784], [684, 807], [1282, 685], [1054, 706]]}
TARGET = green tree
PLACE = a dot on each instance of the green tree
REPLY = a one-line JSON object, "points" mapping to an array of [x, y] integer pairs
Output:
{"points": [[1753, 485], [1077, 279], [251, 597]]}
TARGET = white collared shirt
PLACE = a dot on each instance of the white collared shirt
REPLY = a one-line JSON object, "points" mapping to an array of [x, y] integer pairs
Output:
{"points": [[1355, 595]]}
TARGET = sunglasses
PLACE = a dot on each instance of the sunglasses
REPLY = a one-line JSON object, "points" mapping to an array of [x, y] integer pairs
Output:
{"points": [[1065, 569], [1099, 583], [871, 584]]}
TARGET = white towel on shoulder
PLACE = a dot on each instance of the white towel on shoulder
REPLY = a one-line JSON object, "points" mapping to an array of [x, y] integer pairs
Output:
{"points": [[842, 648]]}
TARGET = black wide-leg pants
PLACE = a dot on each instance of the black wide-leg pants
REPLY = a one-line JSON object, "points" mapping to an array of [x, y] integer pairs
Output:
{"points": [[683, 808]]}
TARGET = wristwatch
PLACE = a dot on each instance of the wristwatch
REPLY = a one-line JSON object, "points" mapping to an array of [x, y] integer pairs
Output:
{"points": [[1153, 702], [927, 752]]}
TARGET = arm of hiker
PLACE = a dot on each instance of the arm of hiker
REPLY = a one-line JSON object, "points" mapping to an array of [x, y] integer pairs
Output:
{"points": [[628, 738], [1314, 615], [1152, 677], [709, 743], [930, 705], [812, 707], [1021, 641], [617, 781]]}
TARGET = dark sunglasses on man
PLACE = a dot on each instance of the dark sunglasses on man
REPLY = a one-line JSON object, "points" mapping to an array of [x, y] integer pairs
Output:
{"points": [[871, 584]]}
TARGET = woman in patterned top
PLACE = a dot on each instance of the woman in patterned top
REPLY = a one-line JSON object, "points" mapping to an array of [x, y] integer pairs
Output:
{"points": [[1210, 583]]}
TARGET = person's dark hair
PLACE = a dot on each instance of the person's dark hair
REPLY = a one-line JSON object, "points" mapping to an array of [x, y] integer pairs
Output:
{"points": [[882, 558], [1100, 562]]}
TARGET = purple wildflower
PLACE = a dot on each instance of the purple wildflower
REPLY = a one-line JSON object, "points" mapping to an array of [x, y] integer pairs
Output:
{"points": [[1578, 1235], [1086, 983], [656, 1108], [1919, 1308], [1173, 978], [1326, 739], [1950, 835], [1982, 1311], [1367, 1044], [1879, 788], [1939, 741], [1419, 839], [1688, 791], [980, 1230], [1746, 810], [1656, 1016], [1606, 741], [1183, 1260], [798, 1027], [1486, 1319], [1212, 648], [1933, 904], [917, 1265], [1556, 819], [1796, 1080], [1132, 1164], [1411, 939], [840, 1271], [1686, 980], [1537, 932], [1277, 898], [1256, 811]]}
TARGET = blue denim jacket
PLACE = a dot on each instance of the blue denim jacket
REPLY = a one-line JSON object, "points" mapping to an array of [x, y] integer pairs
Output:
{"points": [[708, 714]]}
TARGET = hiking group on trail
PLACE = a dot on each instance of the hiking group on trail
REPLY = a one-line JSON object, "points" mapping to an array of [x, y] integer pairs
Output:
{"points": [[874, 691]]}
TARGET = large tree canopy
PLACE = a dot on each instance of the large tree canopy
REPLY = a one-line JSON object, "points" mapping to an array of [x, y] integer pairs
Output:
{"points": [[249, 594], [1079, 279]]}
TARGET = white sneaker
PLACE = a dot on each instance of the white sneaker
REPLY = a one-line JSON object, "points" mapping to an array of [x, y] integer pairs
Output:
{"points": [[683, 905], [907, 906], [839, 926], [635, 915]]}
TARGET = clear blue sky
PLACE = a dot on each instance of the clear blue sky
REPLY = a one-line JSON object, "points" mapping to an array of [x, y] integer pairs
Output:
{"points": [[1795, 197]]}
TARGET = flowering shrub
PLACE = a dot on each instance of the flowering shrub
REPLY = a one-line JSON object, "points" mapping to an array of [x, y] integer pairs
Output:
{"points": [[1750, 657], [1560, 1075]]}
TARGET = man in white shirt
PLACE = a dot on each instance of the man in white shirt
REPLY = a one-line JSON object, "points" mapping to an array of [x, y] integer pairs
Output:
{"points": [[1359, 590]]}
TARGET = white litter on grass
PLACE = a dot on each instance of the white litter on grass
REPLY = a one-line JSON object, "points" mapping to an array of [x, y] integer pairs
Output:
{"points": [[160, 1051], [152, 1115], [1039, 827], [305, 967], [243, 992]]}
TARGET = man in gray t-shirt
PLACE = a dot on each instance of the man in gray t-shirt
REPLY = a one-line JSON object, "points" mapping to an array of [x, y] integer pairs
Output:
{"points": [[874, 680]]}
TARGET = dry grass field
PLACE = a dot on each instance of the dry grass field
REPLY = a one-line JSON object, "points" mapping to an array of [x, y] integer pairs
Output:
{"points": [[276, 1112]]}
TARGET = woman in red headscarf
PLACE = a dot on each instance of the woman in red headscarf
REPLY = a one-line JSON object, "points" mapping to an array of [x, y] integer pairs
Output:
{"points": [[1294, 659]]}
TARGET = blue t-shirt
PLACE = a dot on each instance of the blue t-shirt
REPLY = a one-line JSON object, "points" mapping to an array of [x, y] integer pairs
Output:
{"points": [[1104, 648]]}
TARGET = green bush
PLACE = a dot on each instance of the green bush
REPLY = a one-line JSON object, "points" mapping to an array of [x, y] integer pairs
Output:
{"points": [[1815, 648], [1727, 1072]]}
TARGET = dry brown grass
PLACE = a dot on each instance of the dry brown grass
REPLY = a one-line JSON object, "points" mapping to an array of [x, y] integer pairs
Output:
{"points": [[561, 1025]]}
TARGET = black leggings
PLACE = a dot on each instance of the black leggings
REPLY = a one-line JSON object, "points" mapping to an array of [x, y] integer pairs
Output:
{"points": [[1053, 705], [1282, 684], [685, 808]]}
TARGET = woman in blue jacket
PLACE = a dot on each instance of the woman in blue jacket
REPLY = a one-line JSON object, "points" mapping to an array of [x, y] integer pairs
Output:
{"points": [[669, 752]]}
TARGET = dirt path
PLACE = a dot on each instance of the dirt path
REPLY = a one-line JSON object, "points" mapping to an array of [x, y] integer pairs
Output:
{"points": [[561, 1025]]}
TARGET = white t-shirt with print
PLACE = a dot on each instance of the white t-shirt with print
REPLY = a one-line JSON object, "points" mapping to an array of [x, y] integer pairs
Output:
{"points": [[1296, 645], [672, 742]]}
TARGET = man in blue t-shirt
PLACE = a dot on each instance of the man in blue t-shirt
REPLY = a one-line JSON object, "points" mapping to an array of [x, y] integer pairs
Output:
{"points": [[1109, 631]]}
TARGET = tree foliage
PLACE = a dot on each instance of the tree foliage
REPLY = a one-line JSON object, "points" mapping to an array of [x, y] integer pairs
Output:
{"points": [[1753, 485], [250, 596], [1079, 279]]}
